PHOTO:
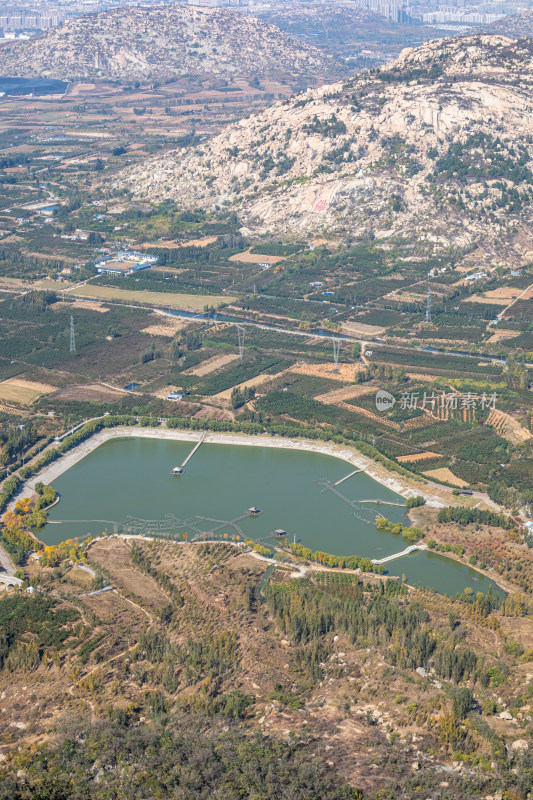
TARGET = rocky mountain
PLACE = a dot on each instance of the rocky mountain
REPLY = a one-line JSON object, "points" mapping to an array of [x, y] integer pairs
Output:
{"points": [[158, 43], [515, 26], [435, 147], [354, 36], [298, 19]]}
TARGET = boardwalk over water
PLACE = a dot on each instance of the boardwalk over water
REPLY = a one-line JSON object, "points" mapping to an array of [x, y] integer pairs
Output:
{"points": [[382, 502], [410, 549], [179, 470], [350, 475]]}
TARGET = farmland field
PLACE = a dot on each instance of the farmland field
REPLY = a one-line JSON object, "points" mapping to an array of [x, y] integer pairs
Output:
{"points": [[190, 302], [24, 392]]}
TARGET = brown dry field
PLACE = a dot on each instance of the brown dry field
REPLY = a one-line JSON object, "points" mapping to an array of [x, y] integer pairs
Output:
{"points": [[169, 270], [345, 373], [88, 392], [84, 305], [361, 329], [87, 305], [258, 381], [503, 293], [191, 302], [256, 258], [417, 457], [501, 336], [17, 390], [445, 474], [164, 325], [212, 364], [346, 393], [480, 298]]}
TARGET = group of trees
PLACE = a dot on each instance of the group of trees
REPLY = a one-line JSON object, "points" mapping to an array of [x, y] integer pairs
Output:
{"points": [[185, 755], [410, 533], [39, 616], [308, 613], [258, 548], [15, 441], [28, 513], [330, 560], [241, 396], [384, 372], [468, 516], [13, 531], [34, 301]]}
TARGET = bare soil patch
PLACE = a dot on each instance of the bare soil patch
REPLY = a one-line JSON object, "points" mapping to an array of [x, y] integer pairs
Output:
{"points": [[417, 457], [114, 556], [508, 427], [256, 258], [345, 373], [346, 393], [480, 298], [361, 329], [503, 293], [164, 325], [87, 305], [192, 302], [89, 392], [445, 474], [259, 380], [17, 390], [501, 336], [212, 364]]}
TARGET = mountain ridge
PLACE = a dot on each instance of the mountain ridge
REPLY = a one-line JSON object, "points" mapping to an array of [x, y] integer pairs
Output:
{"points": [[377, 155], [515, 26], [157, 43]]}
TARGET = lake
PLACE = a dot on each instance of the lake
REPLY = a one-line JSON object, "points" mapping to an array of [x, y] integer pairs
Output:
{"points": [[127, 484]]}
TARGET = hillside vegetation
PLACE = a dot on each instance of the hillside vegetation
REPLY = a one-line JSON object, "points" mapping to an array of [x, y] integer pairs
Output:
{"points": [[160, 43], [434, 147]]}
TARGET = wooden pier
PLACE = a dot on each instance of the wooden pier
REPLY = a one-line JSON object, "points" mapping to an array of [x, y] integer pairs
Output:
{"points": [[350, 475], [383, 503], [179, 470]]}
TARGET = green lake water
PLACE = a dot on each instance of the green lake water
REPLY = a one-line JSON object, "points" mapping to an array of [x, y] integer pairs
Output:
{"points": [[128, 483]]}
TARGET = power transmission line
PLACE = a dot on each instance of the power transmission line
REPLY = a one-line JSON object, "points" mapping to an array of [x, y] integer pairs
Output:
{"points": [[336, 349], [241, 333], [72, 335]]}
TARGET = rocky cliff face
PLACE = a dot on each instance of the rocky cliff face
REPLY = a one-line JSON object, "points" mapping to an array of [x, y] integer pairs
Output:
{"points": [[435, 147], [159, 43]]}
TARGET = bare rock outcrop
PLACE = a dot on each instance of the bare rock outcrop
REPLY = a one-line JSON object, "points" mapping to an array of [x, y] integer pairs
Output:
{"points": [[434, 147], [159, 43]]}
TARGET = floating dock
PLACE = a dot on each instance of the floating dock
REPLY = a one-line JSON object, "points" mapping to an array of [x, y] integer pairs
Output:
{"points": [[179, 470]]}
